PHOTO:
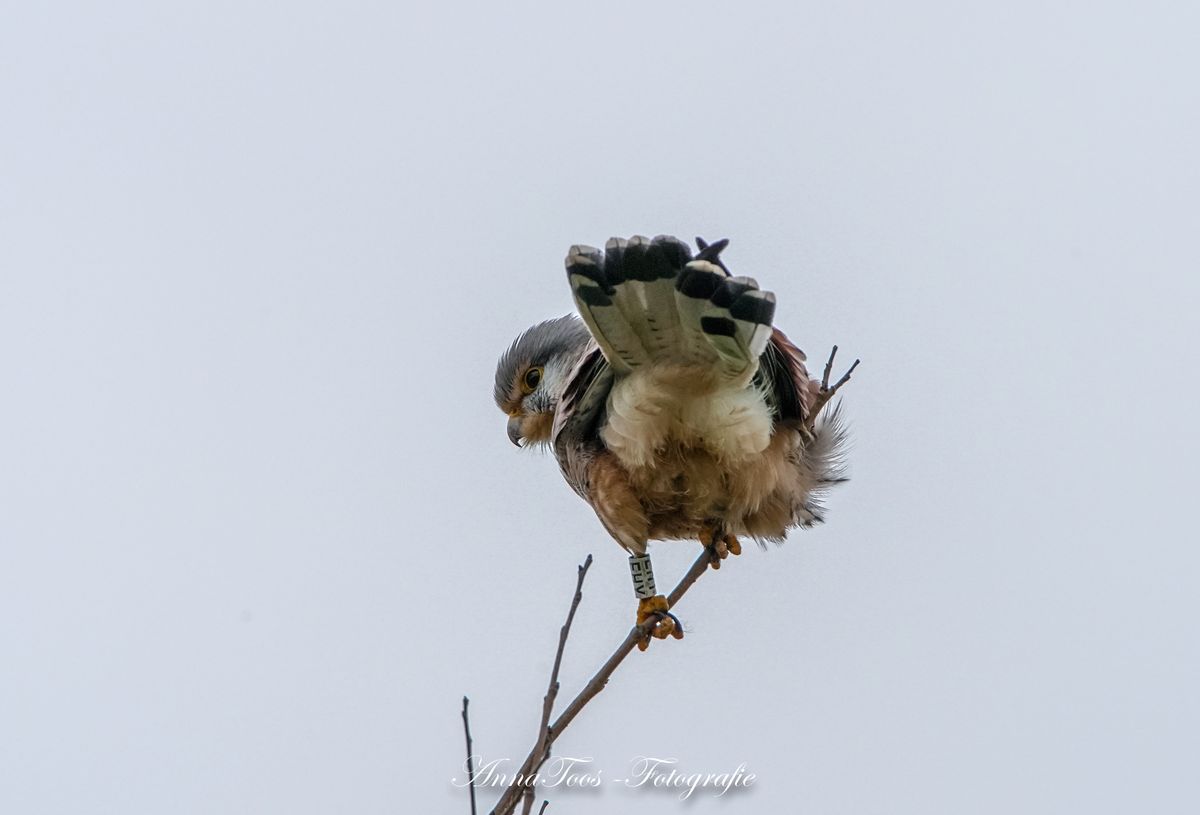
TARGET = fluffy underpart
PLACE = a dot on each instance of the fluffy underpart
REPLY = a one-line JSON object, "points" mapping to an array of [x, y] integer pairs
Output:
{"points": [[671, 404]]}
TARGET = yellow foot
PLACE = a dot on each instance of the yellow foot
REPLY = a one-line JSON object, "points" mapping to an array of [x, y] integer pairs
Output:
{"points": [[659, 622], [719, 548]]}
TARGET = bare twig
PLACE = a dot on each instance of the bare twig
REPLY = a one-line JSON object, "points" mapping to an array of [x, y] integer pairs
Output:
{"points": [[542, 748], [516, 790], [828, 369], [826, 392], [470, 756]]}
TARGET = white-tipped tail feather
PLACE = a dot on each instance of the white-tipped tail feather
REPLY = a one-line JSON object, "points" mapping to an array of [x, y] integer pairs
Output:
{"points": [[647, 302]]}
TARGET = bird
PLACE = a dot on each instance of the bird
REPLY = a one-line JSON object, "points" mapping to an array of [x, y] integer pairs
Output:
{"points": [[674, 407]]}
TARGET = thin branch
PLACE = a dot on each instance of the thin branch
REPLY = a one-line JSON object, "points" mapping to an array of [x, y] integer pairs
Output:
{"points": [[845, 378], [470, 756], [828, 369], [508, 800], [542, 748], [826, 392]]}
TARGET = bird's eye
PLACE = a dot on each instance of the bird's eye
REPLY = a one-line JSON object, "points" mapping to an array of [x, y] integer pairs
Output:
{"points": [[532, 377]]}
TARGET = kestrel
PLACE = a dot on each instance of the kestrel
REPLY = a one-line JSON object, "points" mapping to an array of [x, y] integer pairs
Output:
{"points": [[674, 407]]}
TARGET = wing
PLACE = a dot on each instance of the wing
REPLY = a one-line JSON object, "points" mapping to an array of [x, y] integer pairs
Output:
{"points": [[784, 377], [575, 435], [582, 403], [646, 301]]}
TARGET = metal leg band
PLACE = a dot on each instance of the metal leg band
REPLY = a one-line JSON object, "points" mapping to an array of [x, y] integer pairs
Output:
{"points": [[643, 576]]}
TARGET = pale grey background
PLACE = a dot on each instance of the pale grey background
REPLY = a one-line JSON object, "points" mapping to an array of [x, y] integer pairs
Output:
{"points": [[261, 526]]}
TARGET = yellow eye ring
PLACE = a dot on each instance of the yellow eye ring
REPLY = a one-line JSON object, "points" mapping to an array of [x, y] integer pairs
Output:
{"points": [[530, 381]]}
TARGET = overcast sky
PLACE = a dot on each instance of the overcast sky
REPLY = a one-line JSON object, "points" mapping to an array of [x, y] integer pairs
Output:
{"points": [[260, 524]]}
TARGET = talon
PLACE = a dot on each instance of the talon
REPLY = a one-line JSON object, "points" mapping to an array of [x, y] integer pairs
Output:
{"points": [[658, 623], [676, 629], [720, 545], [649, 607]]}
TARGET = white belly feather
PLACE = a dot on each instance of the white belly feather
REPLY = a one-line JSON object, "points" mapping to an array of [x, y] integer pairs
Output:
{"points": [[666, 406]]}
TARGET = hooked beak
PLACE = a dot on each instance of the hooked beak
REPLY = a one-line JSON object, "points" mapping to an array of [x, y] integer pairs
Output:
{"points": [[514, 430]]}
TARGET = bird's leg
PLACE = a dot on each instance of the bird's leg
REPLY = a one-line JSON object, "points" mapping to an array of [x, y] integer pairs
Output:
{"points": [[719, 544], [653, 612]]}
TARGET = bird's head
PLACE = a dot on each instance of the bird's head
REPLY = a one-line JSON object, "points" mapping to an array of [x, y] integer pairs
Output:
{"points": [[532, 373]]}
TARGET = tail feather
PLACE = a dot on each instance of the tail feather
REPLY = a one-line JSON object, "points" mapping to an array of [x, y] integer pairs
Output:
{"points": [[590, 283], [654, 289], [737, 319], [648, 301], [637, 294]]}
